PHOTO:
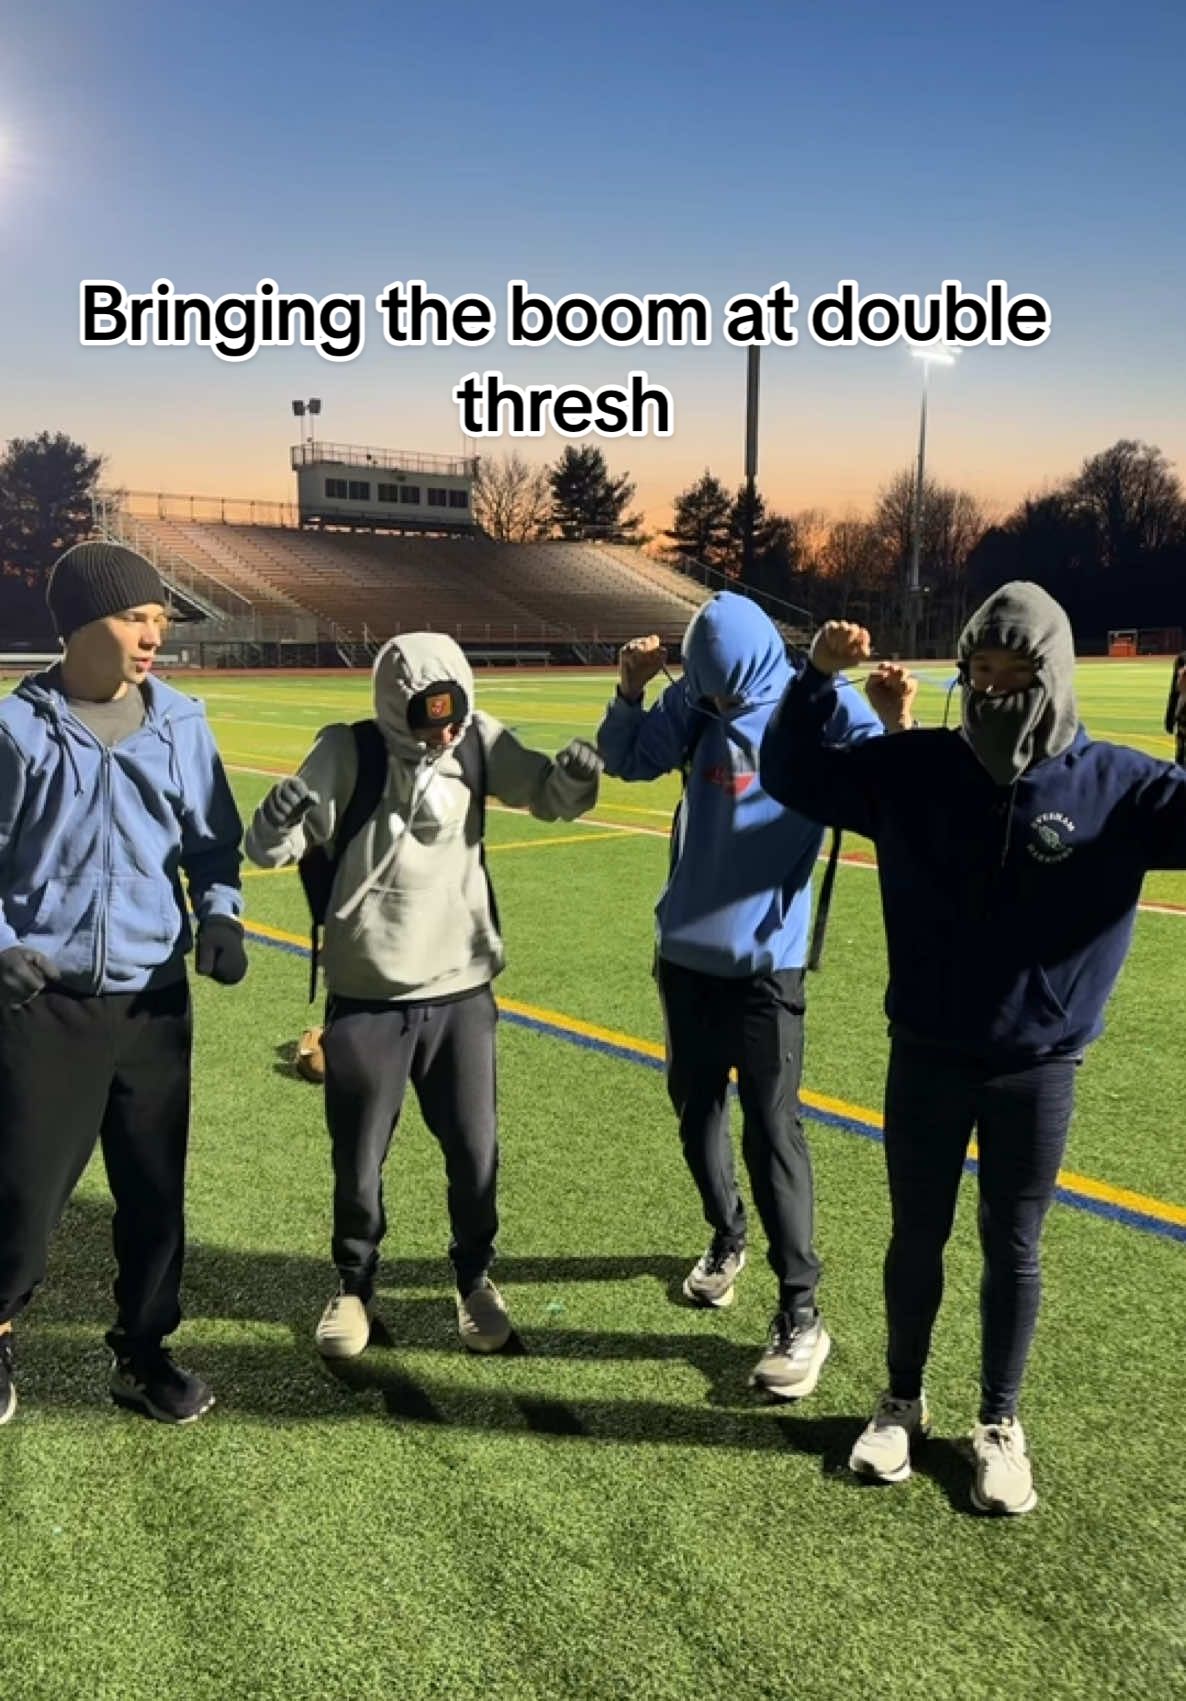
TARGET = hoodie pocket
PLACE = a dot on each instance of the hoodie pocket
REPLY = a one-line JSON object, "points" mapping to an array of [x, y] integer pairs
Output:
{"points": [[1031, 1015], [143, 925], [59, 919]]}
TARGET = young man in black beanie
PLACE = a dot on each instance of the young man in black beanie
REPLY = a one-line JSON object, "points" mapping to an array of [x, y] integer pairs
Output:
{"points": [[111, 789]]}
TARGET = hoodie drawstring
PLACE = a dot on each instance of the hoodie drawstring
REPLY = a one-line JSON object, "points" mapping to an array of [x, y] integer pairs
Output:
{"points": [[390, 859]]}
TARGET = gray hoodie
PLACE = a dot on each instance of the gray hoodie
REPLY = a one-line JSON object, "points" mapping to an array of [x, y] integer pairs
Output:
{"points": [[409, 915], [1011, 732]]}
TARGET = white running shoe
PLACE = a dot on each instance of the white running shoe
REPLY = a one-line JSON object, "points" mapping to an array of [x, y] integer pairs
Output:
{"points": [[344, 1330], [1004, 1480], [882, 1450], [482, 1320]]}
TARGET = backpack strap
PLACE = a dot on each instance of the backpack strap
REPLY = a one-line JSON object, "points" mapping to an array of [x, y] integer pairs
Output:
{"points": [[815, 955], [471, 759], [369, 781], [697, 728]]}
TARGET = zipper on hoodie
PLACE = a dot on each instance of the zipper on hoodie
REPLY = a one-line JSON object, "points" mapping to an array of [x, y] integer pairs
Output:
{"points": [[101, 929]]}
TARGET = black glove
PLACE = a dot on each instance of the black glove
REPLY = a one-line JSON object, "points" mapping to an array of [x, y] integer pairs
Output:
{"points": [[23, 974], [579, 761], [286, 803], [220, 952]]}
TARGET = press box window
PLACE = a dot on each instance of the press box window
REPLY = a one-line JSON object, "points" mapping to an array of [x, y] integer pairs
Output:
{"points": [[459, 499], [437, 498], [389, 492], [409, 493], [336, 487], [360, 490]]}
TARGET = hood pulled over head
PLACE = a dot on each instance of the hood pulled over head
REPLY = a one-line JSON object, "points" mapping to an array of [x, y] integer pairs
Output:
{"points": [[407, 668], [732, 648], [1012, 731]]}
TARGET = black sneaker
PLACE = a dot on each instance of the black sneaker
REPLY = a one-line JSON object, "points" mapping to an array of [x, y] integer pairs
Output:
{"points": [[148, 1381], [7, 1385]]}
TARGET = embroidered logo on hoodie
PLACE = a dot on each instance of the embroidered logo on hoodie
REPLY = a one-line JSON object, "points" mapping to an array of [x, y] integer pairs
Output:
{"points": [[1047, 841]]}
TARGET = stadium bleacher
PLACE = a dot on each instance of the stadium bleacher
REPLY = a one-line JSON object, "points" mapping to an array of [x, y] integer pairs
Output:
{"points": [[368, 586]]}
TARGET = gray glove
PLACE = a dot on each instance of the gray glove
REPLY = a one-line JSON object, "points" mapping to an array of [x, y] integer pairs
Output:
{"points": [[580, 761], [287, 803], [23, 974]]}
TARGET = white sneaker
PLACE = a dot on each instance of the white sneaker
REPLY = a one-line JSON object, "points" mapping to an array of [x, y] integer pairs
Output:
{"points": [[482, 1320], [1004, 1477], [344, 1330], [882, 1450]]}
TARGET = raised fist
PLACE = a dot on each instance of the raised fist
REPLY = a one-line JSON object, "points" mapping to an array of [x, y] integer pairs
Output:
{"points": [[839, 644], [891, 689], [638, 663]]}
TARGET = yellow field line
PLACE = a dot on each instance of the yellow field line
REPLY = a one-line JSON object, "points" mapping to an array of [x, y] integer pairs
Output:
{"points": [[1084, 1186]]}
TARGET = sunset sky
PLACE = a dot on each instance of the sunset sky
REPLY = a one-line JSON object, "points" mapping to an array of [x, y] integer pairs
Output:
{"points": [[655, 146]]}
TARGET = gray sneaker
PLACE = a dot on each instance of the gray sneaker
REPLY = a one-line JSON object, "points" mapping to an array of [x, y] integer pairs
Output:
{"points": [[791, 1365], [482, 1320], [711, 1278], [1004, 1480]]}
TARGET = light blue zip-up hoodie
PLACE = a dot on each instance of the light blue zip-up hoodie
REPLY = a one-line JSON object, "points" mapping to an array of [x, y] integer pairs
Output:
{"points": [[94, 840], [738, 899]]}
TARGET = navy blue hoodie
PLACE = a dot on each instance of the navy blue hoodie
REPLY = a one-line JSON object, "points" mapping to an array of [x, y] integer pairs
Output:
{"points": [[1008, 909]]}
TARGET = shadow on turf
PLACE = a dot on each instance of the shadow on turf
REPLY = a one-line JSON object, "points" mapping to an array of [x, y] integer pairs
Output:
{"points": [[287, 1382]]}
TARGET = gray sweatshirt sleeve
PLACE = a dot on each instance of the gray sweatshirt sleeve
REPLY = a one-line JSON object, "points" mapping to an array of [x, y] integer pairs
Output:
{"points": [[329, 770], [527, 779]]}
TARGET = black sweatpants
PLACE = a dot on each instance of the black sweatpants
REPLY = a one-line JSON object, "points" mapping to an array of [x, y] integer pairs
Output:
{"points": [[113, 1068], [934, 1099], [753, 1025], [446, 1050]]}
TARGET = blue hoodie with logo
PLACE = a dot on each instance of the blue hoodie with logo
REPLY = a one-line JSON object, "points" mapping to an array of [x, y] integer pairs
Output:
{"points": [[94, 841], [738, 898]]}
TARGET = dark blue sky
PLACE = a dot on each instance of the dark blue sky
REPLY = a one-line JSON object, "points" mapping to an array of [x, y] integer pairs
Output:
{"points": [[644, 147]]}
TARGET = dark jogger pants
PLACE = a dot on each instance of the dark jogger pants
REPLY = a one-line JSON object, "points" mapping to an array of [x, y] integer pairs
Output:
{"points": [[933, 1101], [446, 1051], [754, 1025], [114, 1069]]}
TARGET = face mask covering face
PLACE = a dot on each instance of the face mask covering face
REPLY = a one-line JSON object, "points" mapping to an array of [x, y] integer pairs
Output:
{"points": [[1002, 730]]}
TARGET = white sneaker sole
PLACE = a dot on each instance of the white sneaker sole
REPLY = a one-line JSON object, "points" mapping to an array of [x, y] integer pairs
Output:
{"points": [[486, 1343], [331, 1348], [998, 1509], [703, 1301], [869, 1472], [797, 1390], [9, 1406]]}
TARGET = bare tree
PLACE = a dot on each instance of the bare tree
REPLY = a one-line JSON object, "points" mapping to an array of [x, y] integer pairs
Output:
{"points": [[512, 500], [1134, 498]]}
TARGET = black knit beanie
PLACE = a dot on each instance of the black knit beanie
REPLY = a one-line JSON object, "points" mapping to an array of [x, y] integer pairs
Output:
{"points": [[96, 579]]}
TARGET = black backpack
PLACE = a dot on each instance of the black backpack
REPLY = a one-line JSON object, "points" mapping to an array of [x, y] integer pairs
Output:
{"points": [[696, 731], [319, 866]]}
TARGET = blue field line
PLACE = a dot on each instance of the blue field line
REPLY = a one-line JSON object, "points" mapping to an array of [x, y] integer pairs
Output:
{"points": [[830, 1119]]}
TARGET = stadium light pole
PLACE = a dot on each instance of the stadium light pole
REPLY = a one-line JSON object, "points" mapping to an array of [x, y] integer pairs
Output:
{"points": [[929, 357], [301, 410], [751, 461]]}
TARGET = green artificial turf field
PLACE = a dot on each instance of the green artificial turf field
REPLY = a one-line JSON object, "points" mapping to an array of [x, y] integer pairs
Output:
{"points": [[609, 1513]]}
